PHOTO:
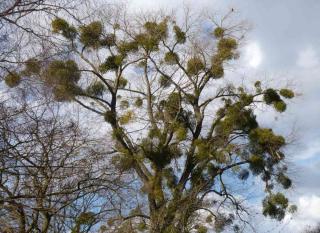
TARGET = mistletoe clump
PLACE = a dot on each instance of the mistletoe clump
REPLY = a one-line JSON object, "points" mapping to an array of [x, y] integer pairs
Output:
{"points": [[219, 32], [180, 36], [12, 79], [171, 58], [96, 89], [32, 67], [112, 63], [271, 96], [63, 77], [195, 65], [286, 93], [90, 34], [275, 205], [60, 25]]}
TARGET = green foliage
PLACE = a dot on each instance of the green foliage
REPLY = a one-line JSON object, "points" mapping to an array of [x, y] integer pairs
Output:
{"points": [[237, 117], [139, 102], [90, 34], [65, 92], [148, 42], [60, 25], [256, 164], [180, 36], [161, 155], [62, 72], [126, 117], [181, 133], [284, 181], [275, 206], [12, 79], [32, 66], [218, 32], [172, 105], [203, 149], [264, 140], [270, 96], [286, 93], [128, 47], [227, 44], [154, 33], [169, 175], [112, 63], [96, 89], [195, 65], [217, 71], [122, 83], [257, 86], [158, 30], [171, 58], [154, 133], [110, 117], [126, 162], [226, 48], [63, 77], [280, 106]]}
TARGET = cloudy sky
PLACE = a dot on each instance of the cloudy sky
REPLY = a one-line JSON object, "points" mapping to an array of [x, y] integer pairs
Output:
{"points": [[283, 46]]}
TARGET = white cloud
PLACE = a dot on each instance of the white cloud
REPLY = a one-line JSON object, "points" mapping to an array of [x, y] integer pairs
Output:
{"points": [[308, 58], [308, 214], [253, 55]]}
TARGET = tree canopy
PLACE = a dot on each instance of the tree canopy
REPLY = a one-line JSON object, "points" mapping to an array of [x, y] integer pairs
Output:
{"points": [[177, 124]]}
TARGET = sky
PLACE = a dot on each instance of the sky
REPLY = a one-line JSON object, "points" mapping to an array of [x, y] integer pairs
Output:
{"points": [[283, 46]]}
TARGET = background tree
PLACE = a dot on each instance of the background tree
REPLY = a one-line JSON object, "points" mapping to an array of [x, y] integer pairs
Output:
{"points": [[177, 124], [21, 31], [50, 177]]}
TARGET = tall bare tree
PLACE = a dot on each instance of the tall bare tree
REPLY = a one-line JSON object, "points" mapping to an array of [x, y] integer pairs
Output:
{"points": [[52, 175]]}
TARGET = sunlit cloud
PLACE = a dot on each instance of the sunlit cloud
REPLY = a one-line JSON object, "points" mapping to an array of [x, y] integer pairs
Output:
{"points": [[253, 55], [308, 214]]}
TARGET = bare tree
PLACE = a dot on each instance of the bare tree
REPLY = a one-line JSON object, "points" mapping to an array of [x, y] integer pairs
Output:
{"points": [[21, 32], [51, 175]]}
